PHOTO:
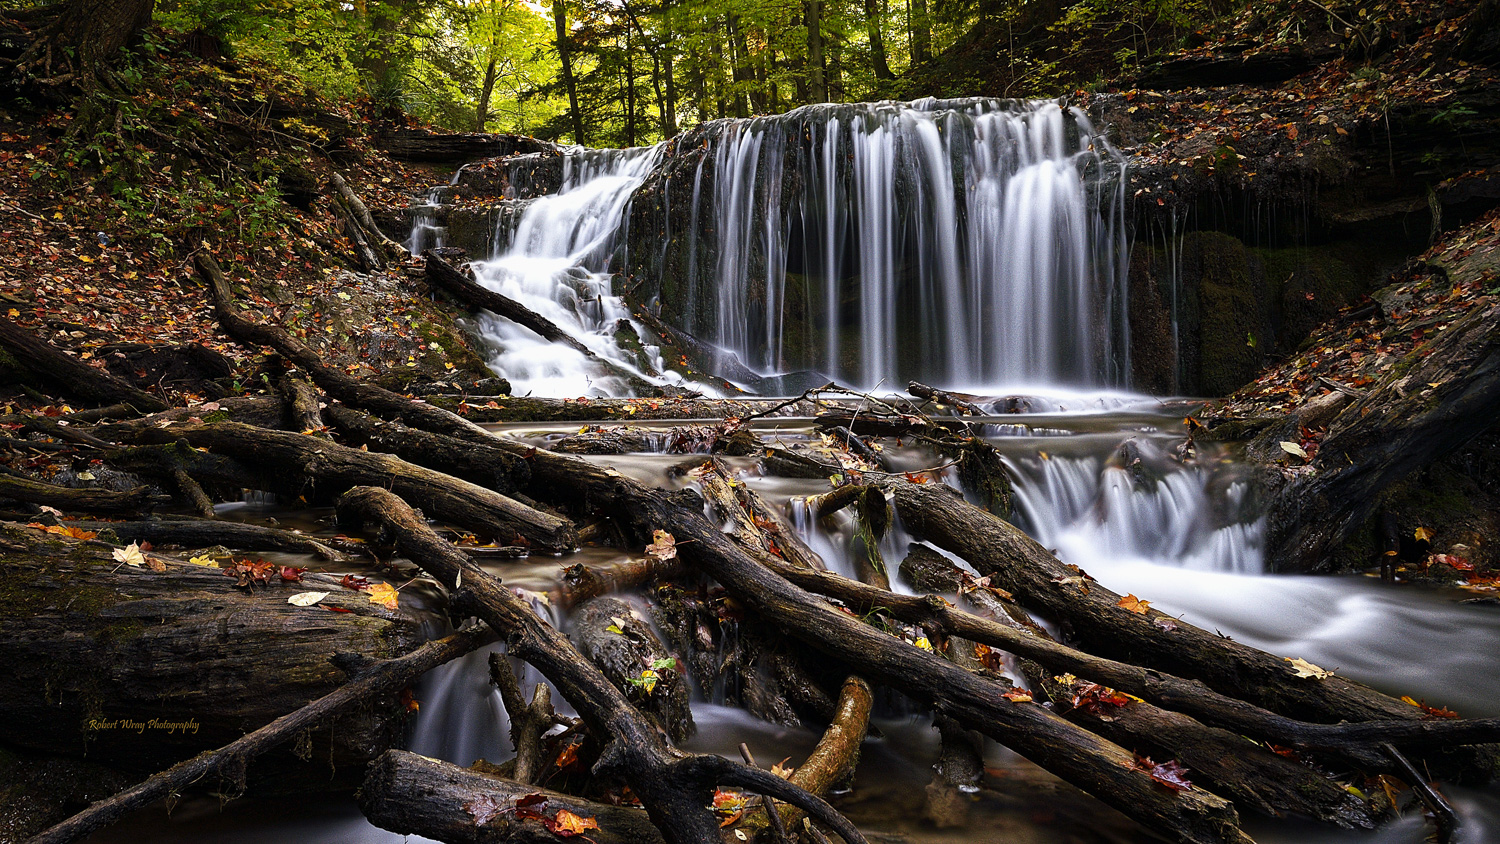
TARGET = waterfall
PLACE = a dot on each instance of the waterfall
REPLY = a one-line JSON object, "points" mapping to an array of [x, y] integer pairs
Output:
{"points": [[964, 243]]}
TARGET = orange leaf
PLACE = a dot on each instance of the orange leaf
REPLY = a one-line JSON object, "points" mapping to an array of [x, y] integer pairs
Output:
{"points": [[1017, 696], [383, 594], [566, 824], [1134, 604]]}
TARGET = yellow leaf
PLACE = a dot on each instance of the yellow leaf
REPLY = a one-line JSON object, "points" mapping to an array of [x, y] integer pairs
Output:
{"points": [[204, 560], [1303, 668], [383, 594], [923, 643], [1134, 604], [13, 313], [1422, 534], [86, 259]]}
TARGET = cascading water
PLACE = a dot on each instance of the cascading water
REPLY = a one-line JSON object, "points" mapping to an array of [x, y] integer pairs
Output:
{"points": [[555, 261], [972, 242]]}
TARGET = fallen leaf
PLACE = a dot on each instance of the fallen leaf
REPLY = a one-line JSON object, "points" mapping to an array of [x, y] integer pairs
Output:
{"points": [[663, 546], [155, 565], [306, 599], [354, 582], [1017, 696], [1294, 449], [567, 824], [1134, 604], [292, 574], [483, 809], [783, 770], [130, 555], [1303, 668], [383, 594], [1422, 534], [204, 560]]}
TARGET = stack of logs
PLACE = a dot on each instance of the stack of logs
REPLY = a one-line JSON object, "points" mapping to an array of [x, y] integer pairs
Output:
{"points": [[1126, 684]]}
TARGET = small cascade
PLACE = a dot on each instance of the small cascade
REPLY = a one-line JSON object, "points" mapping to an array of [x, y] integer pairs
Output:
{"points": [[554, 258], [1138, 505], [426, 232]]}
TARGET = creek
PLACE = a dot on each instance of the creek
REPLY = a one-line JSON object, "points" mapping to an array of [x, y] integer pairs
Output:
{"points": [[969, 243]]}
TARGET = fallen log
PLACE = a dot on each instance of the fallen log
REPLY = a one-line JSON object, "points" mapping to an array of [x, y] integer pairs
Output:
{"points": [[335, 382], [448, 278], [77, 378], [528, 721], [718, 364], [1225, 761], [303, 409], [264, 411], [962, 402], [580, 582], [202, 533], [674, 788], [294, 464], [832, 760], [606, 631], [1356, 742], [139, 669], [530, 409], [371, 680], [407, 144], [1448, 394], [1099, 622], [413, 795], [135, 501], [1099, 767], [482, 463], [391, 248]]}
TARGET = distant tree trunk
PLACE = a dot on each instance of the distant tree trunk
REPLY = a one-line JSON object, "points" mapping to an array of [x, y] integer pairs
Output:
{"points": [[669, 127], [817, 86], [921, 32], [560, 20], [742, 72], [91, 30], [629, 74], [877, 40], [835, 73], [482, 111]]}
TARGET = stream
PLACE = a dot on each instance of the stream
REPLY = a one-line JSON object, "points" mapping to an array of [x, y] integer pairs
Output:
{"points": [[965, 242]]}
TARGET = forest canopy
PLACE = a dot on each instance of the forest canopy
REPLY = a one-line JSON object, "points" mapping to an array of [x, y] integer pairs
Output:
{"points": [[630, 72]]}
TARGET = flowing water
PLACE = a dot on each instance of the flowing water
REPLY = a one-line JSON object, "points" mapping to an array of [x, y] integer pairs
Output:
{"points": [[972, 242]]}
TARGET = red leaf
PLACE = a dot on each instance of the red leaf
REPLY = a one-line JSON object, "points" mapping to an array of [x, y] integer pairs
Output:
{"points": [[292, 574], [353, 582]]}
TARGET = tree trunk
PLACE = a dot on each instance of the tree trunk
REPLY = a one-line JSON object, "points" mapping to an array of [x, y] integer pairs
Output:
{"points": [[877, 40], [45, 361], [91, 30], [921, 32], [564, 54], [817, 86], [482, 110]]}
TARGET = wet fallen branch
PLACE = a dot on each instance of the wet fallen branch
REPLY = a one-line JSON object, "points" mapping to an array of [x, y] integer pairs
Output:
{"points": [[51, 364]]}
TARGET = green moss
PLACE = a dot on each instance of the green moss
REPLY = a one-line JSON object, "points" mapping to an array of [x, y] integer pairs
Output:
{"points": [[1234, 324]]}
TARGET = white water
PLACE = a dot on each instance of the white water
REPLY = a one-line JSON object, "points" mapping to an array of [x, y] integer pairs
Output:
{"points": [[556, 262], [964, 232]]}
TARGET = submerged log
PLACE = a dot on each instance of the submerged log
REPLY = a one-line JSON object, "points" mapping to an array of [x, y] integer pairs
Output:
{"points": [[413, 795], [53, 365], [295, 464], [139, 669], [675, 788], [371, 680]]}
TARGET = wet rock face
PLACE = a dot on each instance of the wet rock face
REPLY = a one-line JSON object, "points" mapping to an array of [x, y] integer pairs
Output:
{"points": [[609, 632]]}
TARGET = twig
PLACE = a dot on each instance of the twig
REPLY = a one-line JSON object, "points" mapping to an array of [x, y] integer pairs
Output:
{"points": [[1442, 813], [778, 829]]}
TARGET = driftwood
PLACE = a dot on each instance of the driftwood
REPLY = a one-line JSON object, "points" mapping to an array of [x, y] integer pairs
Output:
{"points": [[482, 463], [335, 382], [295, 464], [580, 582], [1093, 764], [528, 721], [77, 378], [674, 787], [414, 795], [832, 759], [368, 680], [92, 641]]}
